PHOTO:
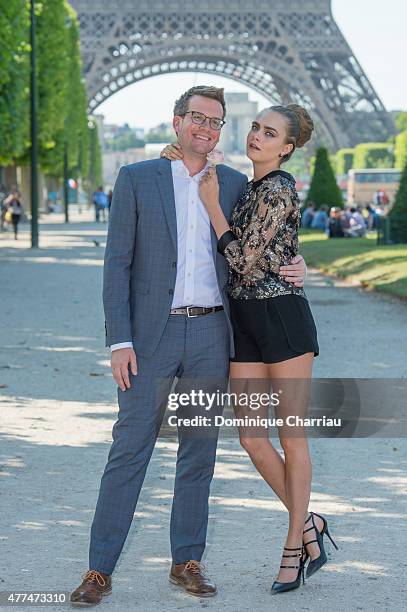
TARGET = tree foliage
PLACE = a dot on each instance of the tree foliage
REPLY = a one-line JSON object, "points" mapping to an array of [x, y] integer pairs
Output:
{"points": [[122, 142], [14, 79], [52, 67], [398, 214], [61, 91], [323, 188], [95, 156], [373, 155], [61, 102], [344, 160], [401, 121], [400, 150]]}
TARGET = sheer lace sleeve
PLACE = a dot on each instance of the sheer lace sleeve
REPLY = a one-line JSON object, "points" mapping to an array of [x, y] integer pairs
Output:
{"points": [[268, 217]]}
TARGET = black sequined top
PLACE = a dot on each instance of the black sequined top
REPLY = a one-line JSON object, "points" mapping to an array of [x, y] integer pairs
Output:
{"points": [[263, 236]]}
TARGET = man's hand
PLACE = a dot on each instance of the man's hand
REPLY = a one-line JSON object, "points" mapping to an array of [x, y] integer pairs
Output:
{"points": [[295, 272], [119, 361]]}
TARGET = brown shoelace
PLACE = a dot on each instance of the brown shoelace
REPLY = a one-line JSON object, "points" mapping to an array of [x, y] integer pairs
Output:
{"points": [[195, 567], [92, 575]]}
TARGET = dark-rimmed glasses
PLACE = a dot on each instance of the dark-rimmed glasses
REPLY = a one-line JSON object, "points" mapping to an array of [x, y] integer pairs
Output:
{"points": [[199, 118]]}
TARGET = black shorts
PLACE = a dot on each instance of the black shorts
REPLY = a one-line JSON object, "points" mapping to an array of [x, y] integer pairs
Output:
{"points": [[272, 329]]}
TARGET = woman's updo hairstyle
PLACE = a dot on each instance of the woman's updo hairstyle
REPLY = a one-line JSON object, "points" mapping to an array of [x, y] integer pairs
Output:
{"points": [[299, 125]]}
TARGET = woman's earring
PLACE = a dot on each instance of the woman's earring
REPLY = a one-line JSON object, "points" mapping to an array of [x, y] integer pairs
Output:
{"points": [[280, 155]]}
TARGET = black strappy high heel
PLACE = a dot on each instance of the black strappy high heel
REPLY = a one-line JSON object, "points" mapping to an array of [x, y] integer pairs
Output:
{"points": [[281, 587], [316, 564]]}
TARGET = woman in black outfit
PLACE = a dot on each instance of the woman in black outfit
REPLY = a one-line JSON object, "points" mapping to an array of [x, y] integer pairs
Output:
{"points": [[274, 331], [13, 203]]}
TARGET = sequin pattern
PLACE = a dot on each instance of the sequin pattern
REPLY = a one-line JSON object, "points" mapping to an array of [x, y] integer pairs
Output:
{"points": [[265, 221]]}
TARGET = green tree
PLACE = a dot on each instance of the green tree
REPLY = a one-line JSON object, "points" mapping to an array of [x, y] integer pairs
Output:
{"points": [[344, 160], [14, 79], [95, 156], [74, 127], [400, 150], [83, 161], [298, 164], [76, 120], [323, 188], [401, 121], [373, 155], [53, 69], [161, 133], [125, 141], [398, 214], [62, 117], [332, 161]]}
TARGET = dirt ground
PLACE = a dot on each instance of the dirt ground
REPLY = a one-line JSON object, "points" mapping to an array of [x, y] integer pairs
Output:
{"points": [[58, 405]]}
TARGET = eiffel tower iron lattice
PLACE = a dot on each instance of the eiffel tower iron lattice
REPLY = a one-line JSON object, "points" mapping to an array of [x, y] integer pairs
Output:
{"points": [[288, 50]]}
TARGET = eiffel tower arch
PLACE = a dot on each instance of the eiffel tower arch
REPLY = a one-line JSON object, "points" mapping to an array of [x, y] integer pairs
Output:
{"points": [[287, 50]]}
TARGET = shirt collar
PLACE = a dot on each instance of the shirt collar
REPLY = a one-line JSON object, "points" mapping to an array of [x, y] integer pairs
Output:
{"points": [[178, 168], [288, 176]]}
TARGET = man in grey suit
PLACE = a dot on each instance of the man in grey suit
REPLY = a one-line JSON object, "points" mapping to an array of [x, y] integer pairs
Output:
{"points": [[167, 317]]}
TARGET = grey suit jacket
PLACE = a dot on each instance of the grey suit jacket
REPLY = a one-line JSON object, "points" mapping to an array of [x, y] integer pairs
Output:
{"points": [[141, 252]]}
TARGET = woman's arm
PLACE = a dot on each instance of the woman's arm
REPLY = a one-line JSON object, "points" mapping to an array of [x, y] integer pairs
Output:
{"points": [[244, 252]]}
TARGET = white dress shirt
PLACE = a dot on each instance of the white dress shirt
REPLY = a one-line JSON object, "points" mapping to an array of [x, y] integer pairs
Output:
{"points": [[196, 283]]}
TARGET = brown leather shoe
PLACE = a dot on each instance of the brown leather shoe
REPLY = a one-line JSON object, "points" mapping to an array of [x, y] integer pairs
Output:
{"points": [[95, 585], [191, 577]]}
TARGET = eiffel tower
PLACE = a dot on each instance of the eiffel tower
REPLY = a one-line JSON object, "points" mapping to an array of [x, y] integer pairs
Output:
{"points": [[287, 50]]}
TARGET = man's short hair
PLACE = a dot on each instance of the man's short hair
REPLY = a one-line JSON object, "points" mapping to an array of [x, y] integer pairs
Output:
{"points": [[215, 93]]}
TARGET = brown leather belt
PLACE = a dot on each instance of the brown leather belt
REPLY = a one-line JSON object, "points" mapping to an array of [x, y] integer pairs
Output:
{"points": [[194, 311]]}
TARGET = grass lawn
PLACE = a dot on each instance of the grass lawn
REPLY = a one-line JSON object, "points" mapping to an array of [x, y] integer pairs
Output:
{"points": [[383, 268]]}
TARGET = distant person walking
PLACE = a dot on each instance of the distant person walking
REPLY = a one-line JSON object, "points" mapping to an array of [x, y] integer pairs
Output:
{"points": [[100, 201], [14, 210], [3, 207]]}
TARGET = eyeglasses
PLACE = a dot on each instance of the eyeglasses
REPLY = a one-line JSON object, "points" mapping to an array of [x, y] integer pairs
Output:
{"points": [[200, 118]]}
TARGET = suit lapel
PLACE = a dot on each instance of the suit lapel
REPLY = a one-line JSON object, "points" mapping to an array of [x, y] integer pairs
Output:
{"points": [[166, 188]]}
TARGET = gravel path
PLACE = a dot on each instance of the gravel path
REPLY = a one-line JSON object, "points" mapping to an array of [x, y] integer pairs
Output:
{"points": [[58, 405]]}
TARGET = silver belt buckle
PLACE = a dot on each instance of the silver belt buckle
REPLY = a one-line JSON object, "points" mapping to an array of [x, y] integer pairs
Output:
{"points": [[191, 316]]}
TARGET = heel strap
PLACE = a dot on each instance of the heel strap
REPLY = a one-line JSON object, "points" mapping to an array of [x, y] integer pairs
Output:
{"points": [[310, 542], [296, 555]]}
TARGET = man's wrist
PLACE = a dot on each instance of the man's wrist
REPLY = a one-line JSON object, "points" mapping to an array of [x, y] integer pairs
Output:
{"points": [[120, 345]]}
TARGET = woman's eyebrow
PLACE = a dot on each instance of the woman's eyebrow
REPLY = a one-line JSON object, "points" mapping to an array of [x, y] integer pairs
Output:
{"points": [[268, 127]]}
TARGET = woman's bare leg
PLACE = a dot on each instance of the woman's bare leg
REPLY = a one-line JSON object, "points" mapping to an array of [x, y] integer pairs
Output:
{"points": [[293, 378], [265, 457]]}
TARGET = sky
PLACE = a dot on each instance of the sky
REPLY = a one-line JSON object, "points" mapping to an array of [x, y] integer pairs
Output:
{"points": [[374, 29]]}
